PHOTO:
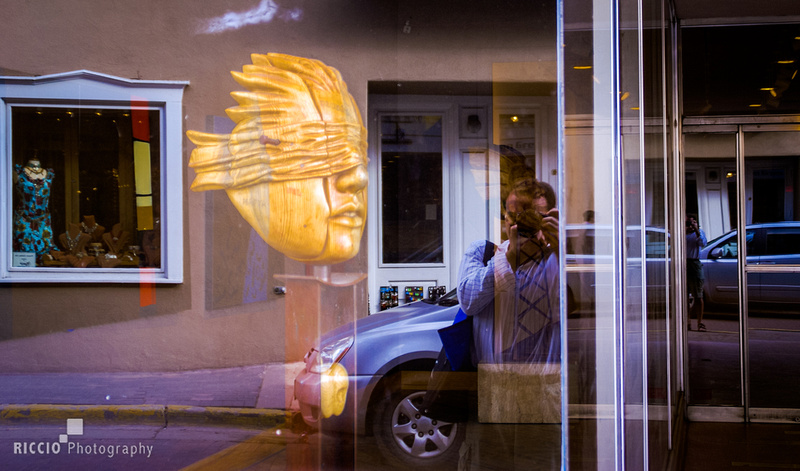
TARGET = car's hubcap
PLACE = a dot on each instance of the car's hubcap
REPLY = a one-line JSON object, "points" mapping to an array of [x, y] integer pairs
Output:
{"points": [[417, 434]]}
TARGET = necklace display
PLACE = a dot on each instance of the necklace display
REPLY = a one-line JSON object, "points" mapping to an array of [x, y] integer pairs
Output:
{"points": [[87, 229], [72, 243], [115, 239], [34, 172]]}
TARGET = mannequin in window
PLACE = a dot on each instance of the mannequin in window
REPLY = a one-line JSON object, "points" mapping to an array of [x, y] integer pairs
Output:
{"points": [[32, 228]]}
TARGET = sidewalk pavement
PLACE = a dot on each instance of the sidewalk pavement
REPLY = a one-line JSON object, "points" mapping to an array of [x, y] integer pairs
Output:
{"points": [[243, 396]]}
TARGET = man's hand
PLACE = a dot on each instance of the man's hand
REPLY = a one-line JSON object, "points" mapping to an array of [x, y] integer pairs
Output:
{"points": [[550, 228]]}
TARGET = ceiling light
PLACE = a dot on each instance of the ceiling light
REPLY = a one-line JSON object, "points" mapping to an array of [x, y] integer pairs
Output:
{"points": [[766, 89], [791, 61], [755, 105]]}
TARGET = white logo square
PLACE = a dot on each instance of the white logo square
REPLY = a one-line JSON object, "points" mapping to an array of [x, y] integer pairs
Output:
{"points": [[74, 426]]}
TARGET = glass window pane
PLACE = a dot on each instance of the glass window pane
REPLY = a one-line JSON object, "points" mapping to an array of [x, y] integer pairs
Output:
{"points": [[782, 242], [86, 187], [411, 189], [773, 252], [714, 373], [761, 58]]}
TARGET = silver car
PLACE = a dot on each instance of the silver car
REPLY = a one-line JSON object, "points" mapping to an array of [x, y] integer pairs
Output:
{"points": [[388, 358], [767, 244]]}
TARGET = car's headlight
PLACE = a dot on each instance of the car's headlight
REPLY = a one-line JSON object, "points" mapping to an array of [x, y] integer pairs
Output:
{"points": [[331, 354]]}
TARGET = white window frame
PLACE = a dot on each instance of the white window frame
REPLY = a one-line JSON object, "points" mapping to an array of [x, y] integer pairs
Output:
{"points": [[86, 88]]}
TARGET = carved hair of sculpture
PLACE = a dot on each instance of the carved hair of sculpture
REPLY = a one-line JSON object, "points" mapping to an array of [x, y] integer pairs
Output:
{"points": [[295, 163]]}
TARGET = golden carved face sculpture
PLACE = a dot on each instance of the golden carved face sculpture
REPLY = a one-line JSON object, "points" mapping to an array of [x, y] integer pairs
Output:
{"points": [[295, 165]]}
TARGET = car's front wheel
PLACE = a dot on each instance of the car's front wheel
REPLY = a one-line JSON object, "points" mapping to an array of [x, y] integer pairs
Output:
{"points": [[409, 438]]}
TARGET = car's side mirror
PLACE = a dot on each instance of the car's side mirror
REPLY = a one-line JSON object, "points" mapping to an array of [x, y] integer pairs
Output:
{"points": [[715, 254]]}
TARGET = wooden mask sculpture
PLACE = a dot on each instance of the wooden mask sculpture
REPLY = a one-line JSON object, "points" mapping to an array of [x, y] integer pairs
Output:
{"points": [[295, 163]]}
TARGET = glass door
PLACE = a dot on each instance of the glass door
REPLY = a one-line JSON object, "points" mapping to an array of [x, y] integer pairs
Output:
{"points": [[712, 327], [743, 352], [771, 157]]}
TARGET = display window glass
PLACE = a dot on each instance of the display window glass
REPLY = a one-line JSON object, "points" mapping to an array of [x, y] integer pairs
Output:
{"points": [[86, 187]]}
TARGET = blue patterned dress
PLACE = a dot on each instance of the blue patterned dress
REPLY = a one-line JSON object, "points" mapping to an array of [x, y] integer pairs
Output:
{"points": [[32, 229]]}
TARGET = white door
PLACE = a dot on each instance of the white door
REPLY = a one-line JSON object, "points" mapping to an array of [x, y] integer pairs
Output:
{"points": [[410, 203]]}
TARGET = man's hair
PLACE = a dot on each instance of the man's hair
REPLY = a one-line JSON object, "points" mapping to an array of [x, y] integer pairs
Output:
{"points": [[549, 195], [521, 175], [526, 196]]}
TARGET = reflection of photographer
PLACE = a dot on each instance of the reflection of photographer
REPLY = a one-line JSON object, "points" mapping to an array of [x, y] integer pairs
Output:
{"points": [[695, 240], [509, 298], [513, 298]]}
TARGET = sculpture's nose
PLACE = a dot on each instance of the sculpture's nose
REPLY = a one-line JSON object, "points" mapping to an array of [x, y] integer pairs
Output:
{"points": [[352, 180]]}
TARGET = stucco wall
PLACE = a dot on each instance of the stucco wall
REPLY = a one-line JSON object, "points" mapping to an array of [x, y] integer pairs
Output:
{"points": [[206, 321]]}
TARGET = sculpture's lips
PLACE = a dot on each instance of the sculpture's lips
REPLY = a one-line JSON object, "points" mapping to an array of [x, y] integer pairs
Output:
{"points": [[350, 215]]}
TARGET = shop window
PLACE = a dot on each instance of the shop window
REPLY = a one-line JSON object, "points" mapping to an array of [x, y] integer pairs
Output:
{"points": [[92, 166]]}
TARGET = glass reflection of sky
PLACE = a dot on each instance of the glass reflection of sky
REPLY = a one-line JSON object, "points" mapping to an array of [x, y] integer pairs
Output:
{"points": [[264, 12]]}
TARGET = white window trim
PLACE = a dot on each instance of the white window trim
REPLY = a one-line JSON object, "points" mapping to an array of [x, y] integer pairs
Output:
{"points": [[84, 87]]}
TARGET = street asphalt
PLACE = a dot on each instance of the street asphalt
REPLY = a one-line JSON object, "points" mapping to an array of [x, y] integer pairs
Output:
{"points": [[257, 396]]}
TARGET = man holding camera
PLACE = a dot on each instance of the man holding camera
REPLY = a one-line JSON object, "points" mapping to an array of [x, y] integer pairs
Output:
{"points": [[695, 240], [513, 297]]}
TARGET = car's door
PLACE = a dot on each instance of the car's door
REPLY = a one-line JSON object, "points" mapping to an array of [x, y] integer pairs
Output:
{"points": [[721, 271], [781, 247]]}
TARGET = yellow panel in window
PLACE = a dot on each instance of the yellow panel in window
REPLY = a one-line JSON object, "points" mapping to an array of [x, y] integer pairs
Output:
{"points": [[144, 187], [144, 213], [141, 166]]}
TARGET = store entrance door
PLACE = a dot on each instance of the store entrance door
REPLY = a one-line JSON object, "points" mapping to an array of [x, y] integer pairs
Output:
{"points": [[743, 355]]}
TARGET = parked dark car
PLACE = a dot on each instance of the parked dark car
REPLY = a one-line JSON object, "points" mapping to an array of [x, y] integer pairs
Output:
{"points": [[768, 245]]}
